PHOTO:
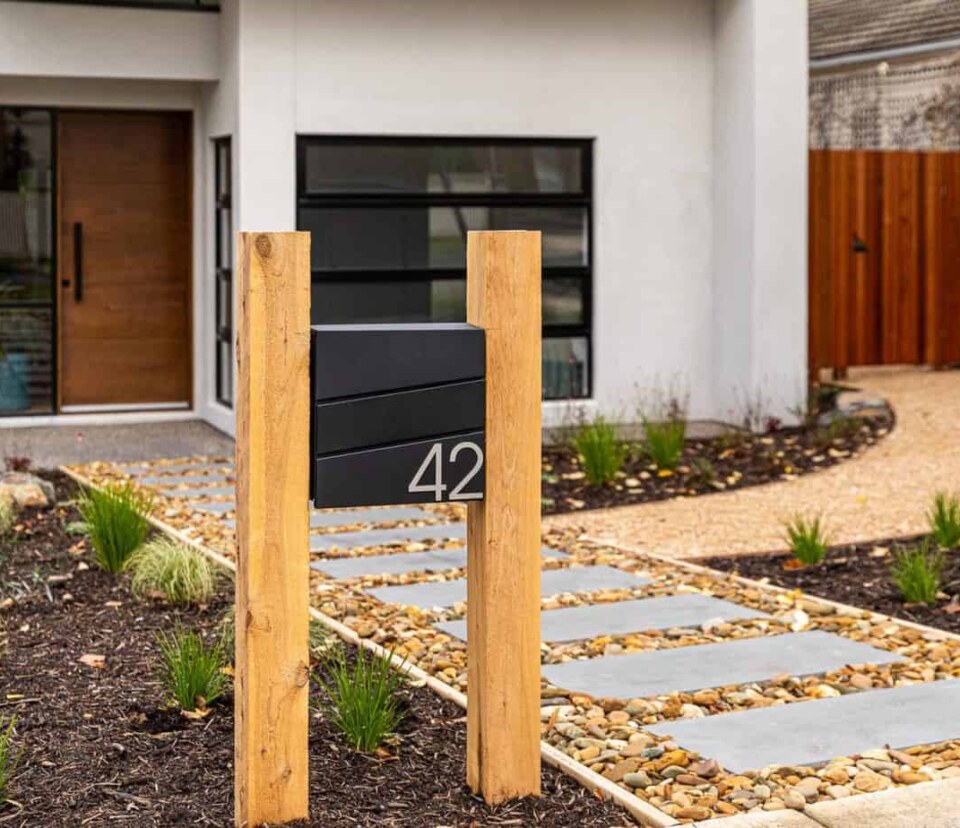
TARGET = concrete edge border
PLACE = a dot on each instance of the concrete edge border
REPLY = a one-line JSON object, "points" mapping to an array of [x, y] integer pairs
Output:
{"points": [[738, 820], [645, 814]]}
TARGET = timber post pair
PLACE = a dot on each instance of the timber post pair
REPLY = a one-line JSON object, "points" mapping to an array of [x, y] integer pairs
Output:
{"points": [[274, 457]]}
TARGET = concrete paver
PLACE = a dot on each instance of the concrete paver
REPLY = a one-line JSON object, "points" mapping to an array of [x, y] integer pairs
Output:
{"points": [[552, 582], [929, 805], [384, 537], [641, 675], [589, 621], [806, 733]]}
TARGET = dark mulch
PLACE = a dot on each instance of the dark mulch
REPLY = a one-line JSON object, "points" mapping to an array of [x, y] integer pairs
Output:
{"points": [[857, 575], [733, 461], [100, 748]]}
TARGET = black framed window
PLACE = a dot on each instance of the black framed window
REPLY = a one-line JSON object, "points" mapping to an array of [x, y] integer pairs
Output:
{"points": [[27, 261], [223, 274], [389, 219]]}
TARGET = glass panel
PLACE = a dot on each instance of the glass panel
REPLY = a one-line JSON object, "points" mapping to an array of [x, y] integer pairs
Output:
{"points": [[224, 373], [565, 368], [26, 360], [224, 305], [26, 181], [441, 300], [225, 239], [223, 167], [420, 238], [442, 168], [563, 301]]}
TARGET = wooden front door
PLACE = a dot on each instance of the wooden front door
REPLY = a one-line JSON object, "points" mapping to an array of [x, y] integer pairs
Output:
{"points": [[124, 259]]}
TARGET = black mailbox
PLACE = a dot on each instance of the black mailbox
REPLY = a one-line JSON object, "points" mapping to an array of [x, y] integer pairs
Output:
{"points": [[398, 414]]}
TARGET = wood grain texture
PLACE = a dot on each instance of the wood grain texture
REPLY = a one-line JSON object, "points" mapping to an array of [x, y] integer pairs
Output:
{"points": [[126, 176], [272, 602], [941, 182], [503, 531]]}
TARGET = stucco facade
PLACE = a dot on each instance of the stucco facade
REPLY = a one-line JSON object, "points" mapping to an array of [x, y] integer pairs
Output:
{"points": [[697, 110]]}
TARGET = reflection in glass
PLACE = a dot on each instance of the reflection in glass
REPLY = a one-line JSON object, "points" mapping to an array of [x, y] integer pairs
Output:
{"points": [[442, 168], [565, 368], [26, 262], [421, 238]]}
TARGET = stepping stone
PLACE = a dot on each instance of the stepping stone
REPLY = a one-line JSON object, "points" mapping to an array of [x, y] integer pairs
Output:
{"points": [[178, 468], [376, 514], [215, 491], [385, 537], [215, 507], [429, 561], [552, 582], [379, 514], [641, 675], [812, 732], [177, 479], [575, 623]]}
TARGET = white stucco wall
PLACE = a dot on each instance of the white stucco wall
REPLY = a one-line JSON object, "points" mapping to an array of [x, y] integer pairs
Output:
{"points": [[697, 109], [62, 40], [760, 207], [637, 77]]}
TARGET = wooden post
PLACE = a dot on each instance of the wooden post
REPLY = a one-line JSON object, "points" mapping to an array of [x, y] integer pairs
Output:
{"points": [[503, 530], [273, 558]]}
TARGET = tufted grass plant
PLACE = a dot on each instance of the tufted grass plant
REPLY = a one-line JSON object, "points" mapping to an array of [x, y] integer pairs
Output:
{"points": [[8, 516], [192, 669], [9, 756], [916, 570], [165, 567], [361, 699], [944, 520], [116, 519], [807, 538], [601, 451]]}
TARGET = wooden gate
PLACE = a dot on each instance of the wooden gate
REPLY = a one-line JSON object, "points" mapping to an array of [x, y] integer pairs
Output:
{"points": [[884, 265]]}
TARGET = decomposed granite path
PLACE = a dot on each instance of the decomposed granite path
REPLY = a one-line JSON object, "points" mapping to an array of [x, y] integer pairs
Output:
{"points": [[885, 492], [698, 694]]}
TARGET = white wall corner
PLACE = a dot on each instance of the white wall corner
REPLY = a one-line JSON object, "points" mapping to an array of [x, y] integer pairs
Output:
{"points": [[760, 206]]}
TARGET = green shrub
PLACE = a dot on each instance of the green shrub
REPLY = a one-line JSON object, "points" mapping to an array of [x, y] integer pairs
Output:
{"points": [[361, 701], [8, 516], [601, 451], [171, 568], [116, 518], [703, 471], [9, 756], [916, 572], [191, 671], [807, 538], [663, 441], [944, 519]]}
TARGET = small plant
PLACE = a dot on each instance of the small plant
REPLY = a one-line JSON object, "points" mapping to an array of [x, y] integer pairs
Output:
{"points": [[702, 471], [17, 464], [116, 518], [9, 756], [916, 572], [663, 442], [944, 519], [191, 671], [807, 539], [8, 516], [361, 701], [601, 451], [174, 570]]}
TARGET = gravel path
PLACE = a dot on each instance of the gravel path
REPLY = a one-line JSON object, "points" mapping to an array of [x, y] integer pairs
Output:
{"points": [[883, 493]]}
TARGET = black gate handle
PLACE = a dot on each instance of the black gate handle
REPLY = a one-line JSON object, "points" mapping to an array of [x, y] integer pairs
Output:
{"points": [[77, 261]]}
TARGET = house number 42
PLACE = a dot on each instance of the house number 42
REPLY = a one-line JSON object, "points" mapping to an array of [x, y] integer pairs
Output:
{"points": [[438, 487]]}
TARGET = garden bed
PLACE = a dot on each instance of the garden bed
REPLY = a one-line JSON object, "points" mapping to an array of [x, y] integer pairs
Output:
{"points": [[857, 574], [733, 461], [100, 746]]}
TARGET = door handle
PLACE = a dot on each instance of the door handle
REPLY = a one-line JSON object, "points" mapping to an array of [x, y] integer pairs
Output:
{"points": [[859, 245], [77, 261]]}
